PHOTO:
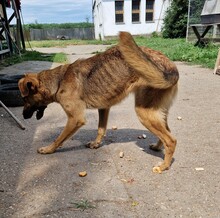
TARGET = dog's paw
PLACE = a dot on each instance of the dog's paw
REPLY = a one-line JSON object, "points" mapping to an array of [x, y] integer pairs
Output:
{"points": [[157, 170], [45, 150], [93, 145]]}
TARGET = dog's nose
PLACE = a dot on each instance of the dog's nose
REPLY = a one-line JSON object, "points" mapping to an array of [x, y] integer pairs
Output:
{"points": [[28, 114]]}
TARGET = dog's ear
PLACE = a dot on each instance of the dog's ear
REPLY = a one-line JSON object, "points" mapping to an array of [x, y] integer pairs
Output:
{"points": [[28, 85]]}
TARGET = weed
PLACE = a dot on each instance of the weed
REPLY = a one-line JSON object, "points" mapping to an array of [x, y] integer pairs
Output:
{"points": [[83, 204]]}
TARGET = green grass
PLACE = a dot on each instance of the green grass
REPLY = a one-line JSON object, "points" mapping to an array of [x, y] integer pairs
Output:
{"points": [[175, 49], [33, 56], [83, 205], [64, 43], [180, 50]]}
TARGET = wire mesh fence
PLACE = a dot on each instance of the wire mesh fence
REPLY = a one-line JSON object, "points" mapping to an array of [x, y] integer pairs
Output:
{"points": [[194, 18]]}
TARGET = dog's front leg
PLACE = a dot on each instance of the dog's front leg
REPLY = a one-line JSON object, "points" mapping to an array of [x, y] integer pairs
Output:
{"points": [[103, 119], [73, 124]]}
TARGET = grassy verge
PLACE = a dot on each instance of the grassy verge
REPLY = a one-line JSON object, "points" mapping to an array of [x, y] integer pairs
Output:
{"points": [[180, 50], [33, 56], [64, 43]]}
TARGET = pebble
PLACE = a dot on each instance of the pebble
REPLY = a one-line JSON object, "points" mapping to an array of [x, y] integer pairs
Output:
{"points": [[121, 154], [199, 169], [142, 136], [83, 174], [114, 127]]}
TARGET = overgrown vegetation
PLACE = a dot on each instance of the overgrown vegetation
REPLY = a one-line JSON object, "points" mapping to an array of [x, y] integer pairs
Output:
{"points": [[56, 25], [175, 21]]}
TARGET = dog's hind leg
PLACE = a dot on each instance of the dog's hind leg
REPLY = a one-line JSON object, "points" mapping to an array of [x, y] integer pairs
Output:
{"points": [[154, 121], [103, 120], [158, 146]]}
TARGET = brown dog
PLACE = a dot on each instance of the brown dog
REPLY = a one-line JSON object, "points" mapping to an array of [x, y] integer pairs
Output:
{"points": [[102, 81]]}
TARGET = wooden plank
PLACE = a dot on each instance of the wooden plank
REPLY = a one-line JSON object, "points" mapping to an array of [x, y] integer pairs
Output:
{"points": [[4, 51], [217, 64]]}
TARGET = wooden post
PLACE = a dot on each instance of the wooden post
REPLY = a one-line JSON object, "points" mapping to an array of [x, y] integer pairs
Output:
{"points": [[217, 64]]}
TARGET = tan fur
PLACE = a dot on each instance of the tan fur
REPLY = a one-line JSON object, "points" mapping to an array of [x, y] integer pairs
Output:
{"points": [[102, 81]]}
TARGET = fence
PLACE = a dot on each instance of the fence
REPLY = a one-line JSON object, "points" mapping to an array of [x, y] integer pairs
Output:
{"points": [[194, 17], [54, 33]]}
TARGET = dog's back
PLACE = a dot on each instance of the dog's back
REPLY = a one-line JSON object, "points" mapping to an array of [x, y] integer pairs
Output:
{"points": [[109, 77]]}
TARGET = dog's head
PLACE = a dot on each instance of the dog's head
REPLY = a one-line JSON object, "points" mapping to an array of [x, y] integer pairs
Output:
{"points": [[34, 96]]}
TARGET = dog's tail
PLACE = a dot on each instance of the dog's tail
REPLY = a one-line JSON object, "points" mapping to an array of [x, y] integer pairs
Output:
{"points": [[159, 72]]}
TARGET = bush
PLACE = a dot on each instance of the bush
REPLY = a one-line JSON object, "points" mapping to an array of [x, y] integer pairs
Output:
{"points": [[175, 21]]}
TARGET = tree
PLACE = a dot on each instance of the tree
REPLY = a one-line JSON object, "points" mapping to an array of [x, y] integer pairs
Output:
{"points": [[175, 21]]}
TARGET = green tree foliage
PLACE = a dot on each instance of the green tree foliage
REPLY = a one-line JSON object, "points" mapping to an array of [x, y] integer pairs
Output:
{"points": [[175, 22]]}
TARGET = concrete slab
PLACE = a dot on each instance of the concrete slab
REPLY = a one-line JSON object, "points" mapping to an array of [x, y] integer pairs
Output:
{"points": [[34, 185]]}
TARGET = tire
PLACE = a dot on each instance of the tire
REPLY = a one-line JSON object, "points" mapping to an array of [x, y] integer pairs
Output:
{"points": [[10, 79], [10, 95]]}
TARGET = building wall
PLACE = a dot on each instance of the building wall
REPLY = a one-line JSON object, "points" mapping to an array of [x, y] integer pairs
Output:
{"points": [[104, 18]]}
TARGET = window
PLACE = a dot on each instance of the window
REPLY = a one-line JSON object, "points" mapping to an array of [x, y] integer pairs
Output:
{"points": [[119, 11], [149, 10], [135, 10]]}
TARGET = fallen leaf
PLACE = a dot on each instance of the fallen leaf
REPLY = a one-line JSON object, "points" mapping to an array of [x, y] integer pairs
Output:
{"points": [[134, 203]]}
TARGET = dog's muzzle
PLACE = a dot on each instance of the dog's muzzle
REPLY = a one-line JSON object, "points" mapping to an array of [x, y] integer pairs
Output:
{"points": [[28, 113]]}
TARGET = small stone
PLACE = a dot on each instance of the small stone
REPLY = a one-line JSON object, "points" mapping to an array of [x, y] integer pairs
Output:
{"points": [[199, 169], [114, 127], [144, 136], [83, 174], [179, 118], [121, 154], [140, 136]]}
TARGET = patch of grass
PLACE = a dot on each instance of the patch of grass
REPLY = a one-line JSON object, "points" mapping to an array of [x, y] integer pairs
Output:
{"points": [[175, 49], [64, 43], [83, 204], [180, 50], [33, 56]]}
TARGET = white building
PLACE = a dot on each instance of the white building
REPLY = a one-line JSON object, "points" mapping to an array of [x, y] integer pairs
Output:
{"points": [[135, 16]]}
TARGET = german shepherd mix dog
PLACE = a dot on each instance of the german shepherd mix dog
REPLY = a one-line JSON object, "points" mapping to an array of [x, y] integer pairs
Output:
{"points": [[102, 81]]}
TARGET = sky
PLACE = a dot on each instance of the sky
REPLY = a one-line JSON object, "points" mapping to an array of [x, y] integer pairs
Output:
{"points": [[56, 11]]}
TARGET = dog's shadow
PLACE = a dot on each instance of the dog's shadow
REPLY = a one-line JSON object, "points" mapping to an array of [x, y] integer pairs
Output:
{"points": [[84, 136]]}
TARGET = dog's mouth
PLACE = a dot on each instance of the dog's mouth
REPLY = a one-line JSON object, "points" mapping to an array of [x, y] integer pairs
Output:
{"points": [[28, 113]]}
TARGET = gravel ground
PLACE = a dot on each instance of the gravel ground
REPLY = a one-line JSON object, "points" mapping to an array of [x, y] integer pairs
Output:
{"points": [[34, 185]]}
